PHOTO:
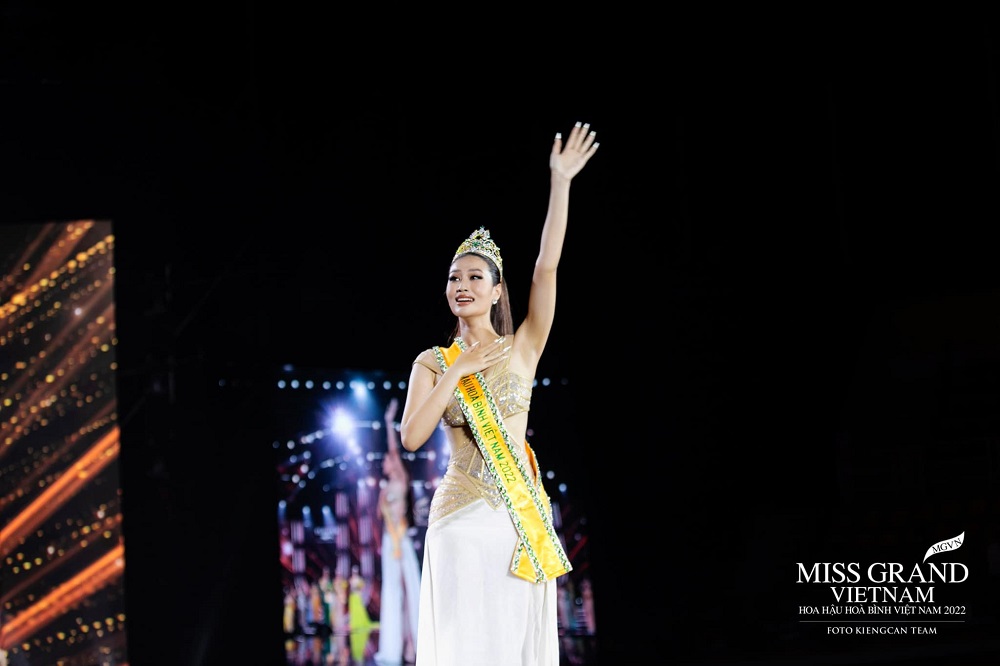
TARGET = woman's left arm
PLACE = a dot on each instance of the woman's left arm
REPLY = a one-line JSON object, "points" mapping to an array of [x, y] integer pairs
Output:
{"points": [[565, 162]]}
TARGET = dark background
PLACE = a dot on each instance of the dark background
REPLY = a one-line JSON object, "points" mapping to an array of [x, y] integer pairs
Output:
{"points": [[777, 308]]}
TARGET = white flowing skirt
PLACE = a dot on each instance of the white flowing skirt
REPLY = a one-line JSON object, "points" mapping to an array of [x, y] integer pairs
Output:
{"points": [[473, 611], [399, 600]]}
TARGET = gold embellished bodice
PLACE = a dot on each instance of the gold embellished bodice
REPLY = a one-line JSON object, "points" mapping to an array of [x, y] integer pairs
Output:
{"points": [[467, 477]]}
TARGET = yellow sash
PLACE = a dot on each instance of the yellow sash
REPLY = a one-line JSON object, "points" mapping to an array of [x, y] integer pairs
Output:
{"points": [[396, 529], [539, 555]]}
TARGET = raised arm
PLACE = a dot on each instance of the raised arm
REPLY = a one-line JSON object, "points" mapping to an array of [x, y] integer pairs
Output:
{"points": [[392, 437], [565, 162], [393, 467]]}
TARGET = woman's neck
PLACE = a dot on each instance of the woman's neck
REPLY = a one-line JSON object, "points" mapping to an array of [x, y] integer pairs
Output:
{"points": [[481, 333]]}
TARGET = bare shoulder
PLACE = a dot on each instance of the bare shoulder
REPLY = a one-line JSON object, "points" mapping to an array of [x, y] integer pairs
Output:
{"points": [[523, 360]]}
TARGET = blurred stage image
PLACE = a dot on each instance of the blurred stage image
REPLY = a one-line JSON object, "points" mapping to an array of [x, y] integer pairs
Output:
{"points": [[350, 562]]}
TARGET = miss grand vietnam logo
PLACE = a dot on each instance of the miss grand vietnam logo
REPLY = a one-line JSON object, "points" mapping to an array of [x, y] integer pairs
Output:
{"points": [[893, 597]]}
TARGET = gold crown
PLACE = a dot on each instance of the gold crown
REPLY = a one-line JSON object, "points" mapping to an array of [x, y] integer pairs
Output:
{"points": [[480, 243]]}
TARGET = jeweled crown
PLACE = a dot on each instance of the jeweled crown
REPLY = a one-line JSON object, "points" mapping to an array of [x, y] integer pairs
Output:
{"points": [[480, 243]]}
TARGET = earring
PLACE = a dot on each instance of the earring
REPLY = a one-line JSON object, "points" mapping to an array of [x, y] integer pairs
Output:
{"points": [[495, 301]]}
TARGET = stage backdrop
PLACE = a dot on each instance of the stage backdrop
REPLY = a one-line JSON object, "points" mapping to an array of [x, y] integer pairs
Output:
{"points": [[333, 436], [61, 547]]}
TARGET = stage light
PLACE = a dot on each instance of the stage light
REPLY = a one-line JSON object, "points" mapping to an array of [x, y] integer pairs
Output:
{"points": [[359, 388], [341, 423]]}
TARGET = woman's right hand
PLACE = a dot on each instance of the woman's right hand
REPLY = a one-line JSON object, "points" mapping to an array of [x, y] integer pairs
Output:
{"points": [[478, 357]]}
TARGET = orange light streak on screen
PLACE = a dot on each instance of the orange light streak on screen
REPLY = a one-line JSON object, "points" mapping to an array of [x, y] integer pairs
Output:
{"points": [[57, 494], [105, 570], [110, 523]]}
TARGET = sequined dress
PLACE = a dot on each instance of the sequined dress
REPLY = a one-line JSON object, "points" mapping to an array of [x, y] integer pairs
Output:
{"points": [[473, 611]]}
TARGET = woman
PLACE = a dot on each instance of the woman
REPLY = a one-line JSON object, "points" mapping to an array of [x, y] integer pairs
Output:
{"points": [[399, 598], [491, 556]]}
